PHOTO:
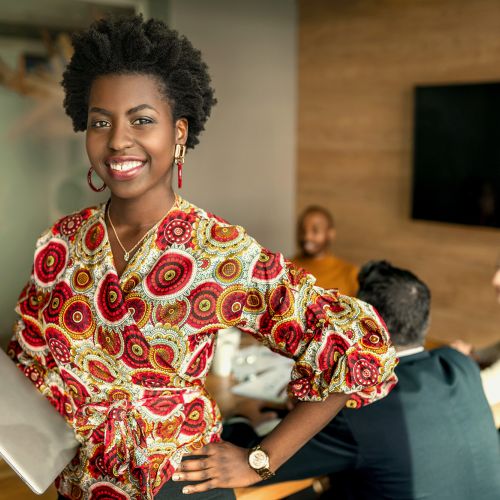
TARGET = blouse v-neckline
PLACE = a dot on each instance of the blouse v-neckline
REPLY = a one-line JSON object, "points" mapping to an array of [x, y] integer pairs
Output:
{"points": [[109, 256]]}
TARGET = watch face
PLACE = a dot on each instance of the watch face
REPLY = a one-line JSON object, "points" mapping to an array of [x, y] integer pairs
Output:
{"points": [[258, 459]]}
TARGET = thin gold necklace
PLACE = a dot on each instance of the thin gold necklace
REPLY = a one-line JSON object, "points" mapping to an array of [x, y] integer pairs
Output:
{"points": [[126, 253]]}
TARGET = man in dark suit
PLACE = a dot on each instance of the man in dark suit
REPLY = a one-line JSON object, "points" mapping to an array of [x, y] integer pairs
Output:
{"points": [[431, 438]]}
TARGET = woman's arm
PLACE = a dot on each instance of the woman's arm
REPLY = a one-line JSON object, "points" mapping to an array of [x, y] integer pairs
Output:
{"points": [[299, 426], [29, 347], [340, 346], [226, 466]]}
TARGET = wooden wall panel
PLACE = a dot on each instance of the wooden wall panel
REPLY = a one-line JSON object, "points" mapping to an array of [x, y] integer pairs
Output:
{"points": [[358, 64]]}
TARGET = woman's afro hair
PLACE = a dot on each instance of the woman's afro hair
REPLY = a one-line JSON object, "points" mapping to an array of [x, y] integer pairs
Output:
{"points": [[132, 45]]}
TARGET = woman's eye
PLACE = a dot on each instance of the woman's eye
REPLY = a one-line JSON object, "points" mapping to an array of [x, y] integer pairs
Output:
{"points": [[100, 124], [142, 121]]}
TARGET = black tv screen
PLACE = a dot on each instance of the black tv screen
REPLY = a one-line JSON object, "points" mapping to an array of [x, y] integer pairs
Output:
{"points": [[456, 167]]}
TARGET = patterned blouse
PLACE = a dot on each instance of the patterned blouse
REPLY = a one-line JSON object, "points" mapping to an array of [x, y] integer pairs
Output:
{"points": [[124, 359]]}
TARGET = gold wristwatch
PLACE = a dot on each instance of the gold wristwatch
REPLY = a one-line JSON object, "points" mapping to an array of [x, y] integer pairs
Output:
{"points": [[258, 460]]}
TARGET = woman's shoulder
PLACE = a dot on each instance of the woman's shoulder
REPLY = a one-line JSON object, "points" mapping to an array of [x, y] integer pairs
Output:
{"points": [[215, 233], [67, 226], [54, 247]]}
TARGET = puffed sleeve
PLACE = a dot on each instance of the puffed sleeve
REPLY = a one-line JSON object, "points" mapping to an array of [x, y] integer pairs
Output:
{"points": [[339, 343], [28, 346]]}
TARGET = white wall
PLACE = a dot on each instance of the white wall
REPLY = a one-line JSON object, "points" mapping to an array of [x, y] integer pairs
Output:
{"points": [[244, 167]]}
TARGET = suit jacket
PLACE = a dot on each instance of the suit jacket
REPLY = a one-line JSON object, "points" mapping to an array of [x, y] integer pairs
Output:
{"points": [[431, 438]]}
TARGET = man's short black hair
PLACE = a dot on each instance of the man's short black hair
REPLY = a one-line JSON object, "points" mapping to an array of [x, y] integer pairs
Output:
{"points": [[316, 209], [400, 297], [130, 45]]}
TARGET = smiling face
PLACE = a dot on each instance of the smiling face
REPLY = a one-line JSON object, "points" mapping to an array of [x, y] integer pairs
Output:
{"points": [[315, 234], [131, 135]]}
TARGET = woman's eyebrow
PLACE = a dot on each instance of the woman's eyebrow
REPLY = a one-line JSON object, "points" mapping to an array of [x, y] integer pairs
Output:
{"points": [[131, 111], [100, 110], [140, 108]]}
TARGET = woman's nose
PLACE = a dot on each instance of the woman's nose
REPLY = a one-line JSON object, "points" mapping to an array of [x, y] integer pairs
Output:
{"points": [[120, 138]]}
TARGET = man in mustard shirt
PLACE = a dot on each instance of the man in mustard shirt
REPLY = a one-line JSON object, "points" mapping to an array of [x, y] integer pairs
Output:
{"points": [[316, 234]]}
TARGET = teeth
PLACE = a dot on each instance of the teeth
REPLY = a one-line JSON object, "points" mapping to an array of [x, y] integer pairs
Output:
{"points": [[125, 166]]}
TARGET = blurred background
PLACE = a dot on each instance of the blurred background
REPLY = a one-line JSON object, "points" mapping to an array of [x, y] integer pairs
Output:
{"points": [[384, 112]]}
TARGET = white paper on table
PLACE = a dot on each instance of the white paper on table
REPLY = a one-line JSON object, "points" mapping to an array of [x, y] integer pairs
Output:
{"points": [[254, 360], [269, 386]]}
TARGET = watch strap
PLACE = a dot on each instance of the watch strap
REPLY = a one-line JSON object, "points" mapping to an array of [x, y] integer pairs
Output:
{"points": [[264, 473]]}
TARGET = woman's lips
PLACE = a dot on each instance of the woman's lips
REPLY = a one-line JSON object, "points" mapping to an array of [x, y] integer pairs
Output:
{"points": [[125, 169]]}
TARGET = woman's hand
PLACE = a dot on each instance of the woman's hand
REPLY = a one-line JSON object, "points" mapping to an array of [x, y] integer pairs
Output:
{"points": [[222, 465]]}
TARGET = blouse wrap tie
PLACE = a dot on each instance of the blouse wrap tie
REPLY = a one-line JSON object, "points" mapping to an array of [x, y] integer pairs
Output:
{"points": [[120, 427], [123, 433]]}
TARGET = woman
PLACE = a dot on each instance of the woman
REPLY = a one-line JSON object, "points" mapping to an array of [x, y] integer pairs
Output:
{"points": [[118, 321]]}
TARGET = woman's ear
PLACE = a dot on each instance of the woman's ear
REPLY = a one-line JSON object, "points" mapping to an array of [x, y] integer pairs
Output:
{"points": [[181, 131]]}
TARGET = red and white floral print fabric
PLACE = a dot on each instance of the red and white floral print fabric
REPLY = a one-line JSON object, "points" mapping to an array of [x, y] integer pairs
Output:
{"points": [[124, 359]]}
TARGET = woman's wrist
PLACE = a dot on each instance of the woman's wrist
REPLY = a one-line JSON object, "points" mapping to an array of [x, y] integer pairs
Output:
{"points": [[291, 433], [259, 461]]}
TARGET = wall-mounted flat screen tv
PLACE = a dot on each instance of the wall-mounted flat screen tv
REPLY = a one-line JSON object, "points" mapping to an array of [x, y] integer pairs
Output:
{"points": [[456, 165]]}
